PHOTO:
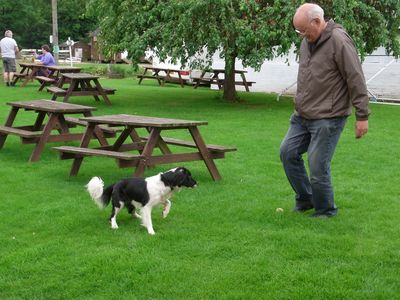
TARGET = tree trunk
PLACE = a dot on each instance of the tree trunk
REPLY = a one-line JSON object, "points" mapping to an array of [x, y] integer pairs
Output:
{"points": [[229, 82], [55, 29]]}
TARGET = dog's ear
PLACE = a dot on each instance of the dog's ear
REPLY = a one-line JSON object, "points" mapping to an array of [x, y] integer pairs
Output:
{"points": [[174, 178], [181, 175]]}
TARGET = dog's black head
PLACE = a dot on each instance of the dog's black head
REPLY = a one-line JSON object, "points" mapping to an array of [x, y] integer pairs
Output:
{"points": [[178, 177]]}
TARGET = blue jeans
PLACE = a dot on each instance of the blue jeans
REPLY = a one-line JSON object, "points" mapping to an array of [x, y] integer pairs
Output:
{"points": [[319, 139]]}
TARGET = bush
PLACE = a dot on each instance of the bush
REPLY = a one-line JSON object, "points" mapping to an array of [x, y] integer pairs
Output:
{"points": [[116, 70]]}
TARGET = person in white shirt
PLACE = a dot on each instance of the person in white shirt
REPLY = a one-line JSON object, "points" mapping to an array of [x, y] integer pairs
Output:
{"points": [[8, 48]]}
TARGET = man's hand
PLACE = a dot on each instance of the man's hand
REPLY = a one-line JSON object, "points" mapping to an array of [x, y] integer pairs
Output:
{"points": [[361, 128]]}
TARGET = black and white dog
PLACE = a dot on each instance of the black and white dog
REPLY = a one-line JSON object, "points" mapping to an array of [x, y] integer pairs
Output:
{"points": [[140, 193]]}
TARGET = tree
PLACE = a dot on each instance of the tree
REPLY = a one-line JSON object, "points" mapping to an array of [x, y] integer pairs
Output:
{"points": [[54, 15], [25, 19], [31, 20], [73, 21], [249, 30]]}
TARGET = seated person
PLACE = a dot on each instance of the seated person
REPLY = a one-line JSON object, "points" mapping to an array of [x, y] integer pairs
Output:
{"points": [[47, 59]]}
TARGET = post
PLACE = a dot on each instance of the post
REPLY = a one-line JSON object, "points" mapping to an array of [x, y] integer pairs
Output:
{"points": [[70, 43], [55, 29]]}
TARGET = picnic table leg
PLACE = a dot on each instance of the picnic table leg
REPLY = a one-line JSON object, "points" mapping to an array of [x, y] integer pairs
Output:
{"points": [[205, 154], [147, 151], [9, 122], [218, 80], [59, 84], [98, 133], [63, 124], [199, 79], [85, 85], [160, 82], [76, 164], [42, 85], [161, 144], [15, 79], [180, 79], [39, 121], [100, 89], [72, 86], [30, 76], [245, 82], [122, 138], [141, 78], [53, 120]]}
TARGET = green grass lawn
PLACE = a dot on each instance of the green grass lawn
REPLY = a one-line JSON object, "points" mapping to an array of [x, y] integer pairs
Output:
{"points": [[223, 240]]}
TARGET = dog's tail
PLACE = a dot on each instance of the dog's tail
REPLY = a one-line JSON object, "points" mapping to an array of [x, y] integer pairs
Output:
{"points": [[96, 190]]}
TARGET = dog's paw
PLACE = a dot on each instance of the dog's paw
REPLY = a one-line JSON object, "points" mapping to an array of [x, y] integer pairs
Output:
{"points": [[165, 213], [151, 232], [114, 224], [136, 215], [167, 208]]}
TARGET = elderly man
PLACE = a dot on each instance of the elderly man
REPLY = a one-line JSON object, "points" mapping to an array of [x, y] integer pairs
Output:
{"points": [[9, 48], [330, 81]]}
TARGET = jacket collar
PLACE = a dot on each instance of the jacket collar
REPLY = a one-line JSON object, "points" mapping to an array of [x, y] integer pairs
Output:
{"points": [[327, 33]]}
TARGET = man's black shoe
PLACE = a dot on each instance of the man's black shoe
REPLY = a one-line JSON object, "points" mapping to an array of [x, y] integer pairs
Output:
{"points": [[323, 215], [302, 208], [7, 83], [12, 83]]}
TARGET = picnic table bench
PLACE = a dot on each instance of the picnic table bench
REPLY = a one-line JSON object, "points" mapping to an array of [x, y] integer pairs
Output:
{"points": [[44, 81]]}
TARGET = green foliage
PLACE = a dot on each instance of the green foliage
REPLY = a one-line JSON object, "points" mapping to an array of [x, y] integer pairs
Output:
{"points": [[370, 23], [31, 21], [222, 240], [251, 30], [124, 70], [192, 31], [73, 21]]}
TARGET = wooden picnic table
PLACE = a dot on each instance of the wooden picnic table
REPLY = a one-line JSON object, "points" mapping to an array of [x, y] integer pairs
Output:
{"points": [[40, 132], [28, 72], [55, 75], [80, 84], [144, 146], [57, 70], [161, 78], [216, 79]]}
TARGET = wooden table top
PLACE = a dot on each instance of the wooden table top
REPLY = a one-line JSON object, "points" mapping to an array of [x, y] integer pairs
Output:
{"points": [[30, 64], [223, 71], [142, 121], [51, 106], [150, 67], [79, 76], [63, 68]]}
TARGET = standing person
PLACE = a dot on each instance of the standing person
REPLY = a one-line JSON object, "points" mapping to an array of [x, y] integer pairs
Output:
{"points": [[330, 81], [9, 48], [46, 58]]}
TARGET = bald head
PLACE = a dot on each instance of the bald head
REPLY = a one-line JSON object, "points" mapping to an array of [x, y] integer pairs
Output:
{"points": [[8, 33], [309, 11], [309, 21]]}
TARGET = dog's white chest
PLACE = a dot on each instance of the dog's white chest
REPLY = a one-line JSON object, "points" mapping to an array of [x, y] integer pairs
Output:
{"points": [[159, 196], [158, 192]]}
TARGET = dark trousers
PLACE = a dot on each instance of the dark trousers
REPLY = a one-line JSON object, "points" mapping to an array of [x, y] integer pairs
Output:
{"points": [[319, 139]]}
